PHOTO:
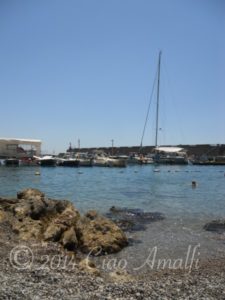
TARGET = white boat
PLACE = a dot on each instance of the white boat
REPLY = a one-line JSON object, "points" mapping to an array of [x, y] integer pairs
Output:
{"points": [[100, 162], [105, 161], [85, 162], [84, 159], [100, 159], [135, 159], [147, 160], [68, 162], [46, 160], [117, 162], [170, 155]]}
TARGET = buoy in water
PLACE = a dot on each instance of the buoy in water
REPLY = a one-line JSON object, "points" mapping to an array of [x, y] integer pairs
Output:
{"points": [[194, 184]]}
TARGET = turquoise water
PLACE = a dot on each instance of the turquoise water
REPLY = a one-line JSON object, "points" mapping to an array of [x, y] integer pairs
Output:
{"points": [[169, 191]]}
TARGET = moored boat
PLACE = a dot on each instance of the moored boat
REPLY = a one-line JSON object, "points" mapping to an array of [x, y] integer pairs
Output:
{"points": [[47, 160], [117, 162], [135, 159], [166, 155], [213, 161], [85, 162], [68, 162], [11, 162], [170, 155], [100, 162], [112, 161]]}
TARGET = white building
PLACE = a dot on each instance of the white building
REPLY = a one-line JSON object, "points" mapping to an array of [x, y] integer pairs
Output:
{"points": [[19, 148]]}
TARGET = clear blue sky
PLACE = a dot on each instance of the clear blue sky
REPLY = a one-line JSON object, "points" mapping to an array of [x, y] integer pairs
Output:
{"points": [[84, 69]]}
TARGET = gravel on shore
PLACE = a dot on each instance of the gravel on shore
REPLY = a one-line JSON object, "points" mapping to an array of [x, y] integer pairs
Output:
{"points": [[41, 280]]}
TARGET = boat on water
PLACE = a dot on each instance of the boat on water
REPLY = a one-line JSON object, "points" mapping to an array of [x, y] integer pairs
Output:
{"points": [[102, 160], [212, 161], [47, 160], [11, 162], [85, 162], [84, 159], [166, 155], [135, 159], [28, 162], [170, 155], [68, 162], [117, 161]]}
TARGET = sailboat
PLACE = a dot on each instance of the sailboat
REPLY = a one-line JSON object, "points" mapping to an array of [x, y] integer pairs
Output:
{"points": [[166, 155]]}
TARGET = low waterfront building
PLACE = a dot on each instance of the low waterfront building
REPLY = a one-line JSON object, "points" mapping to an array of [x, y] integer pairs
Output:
{"points": [[19, 148]]}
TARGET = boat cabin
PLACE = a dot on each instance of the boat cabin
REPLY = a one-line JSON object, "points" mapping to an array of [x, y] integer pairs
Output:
{"points": [[170, 151]]}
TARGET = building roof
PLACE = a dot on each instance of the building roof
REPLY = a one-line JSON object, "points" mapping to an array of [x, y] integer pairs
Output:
{"points": [[20, 141]]}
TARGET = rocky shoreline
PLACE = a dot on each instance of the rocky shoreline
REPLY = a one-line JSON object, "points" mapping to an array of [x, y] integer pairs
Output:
{"points": [[44, 254]]}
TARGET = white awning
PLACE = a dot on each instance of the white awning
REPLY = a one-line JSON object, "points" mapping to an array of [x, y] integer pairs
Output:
{"points": [[169, 149]]}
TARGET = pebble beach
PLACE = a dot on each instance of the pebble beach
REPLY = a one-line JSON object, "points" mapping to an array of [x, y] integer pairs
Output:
{"points": [[44, 269]]}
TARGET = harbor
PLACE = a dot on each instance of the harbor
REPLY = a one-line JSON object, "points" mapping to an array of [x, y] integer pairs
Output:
{"points": [[112, 150], [13, 153]]}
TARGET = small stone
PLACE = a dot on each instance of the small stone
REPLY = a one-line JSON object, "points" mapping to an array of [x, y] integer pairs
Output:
{"points": [[89, 266]]}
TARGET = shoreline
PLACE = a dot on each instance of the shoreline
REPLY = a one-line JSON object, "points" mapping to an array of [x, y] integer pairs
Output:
{"points": [[38, 269]]}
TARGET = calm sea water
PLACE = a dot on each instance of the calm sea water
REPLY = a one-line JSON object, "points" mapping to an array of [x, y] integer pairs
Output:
{"points": [[168, 191]]}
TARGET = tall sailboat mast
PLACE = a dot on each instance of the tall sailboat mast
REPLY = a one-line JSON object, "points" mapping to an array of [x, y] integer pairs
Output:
{"points": [[157, 106]]}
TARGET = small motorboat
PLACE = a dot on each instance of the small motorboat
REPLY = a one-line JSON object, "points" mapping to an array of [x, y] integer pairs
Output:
{"points": [[47, 160], [85, 162], [114, 161], [12, 162], [68, 162]]}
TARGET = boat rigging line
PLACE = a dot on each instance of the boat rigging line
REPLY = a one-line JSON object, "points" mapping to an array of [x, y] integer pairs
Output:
{"points": [[148, 110]]}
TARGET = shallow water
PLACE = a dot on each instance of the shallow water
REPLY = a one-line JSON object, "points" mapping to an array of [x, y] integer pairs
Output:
{"points": [[169, 191]]}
